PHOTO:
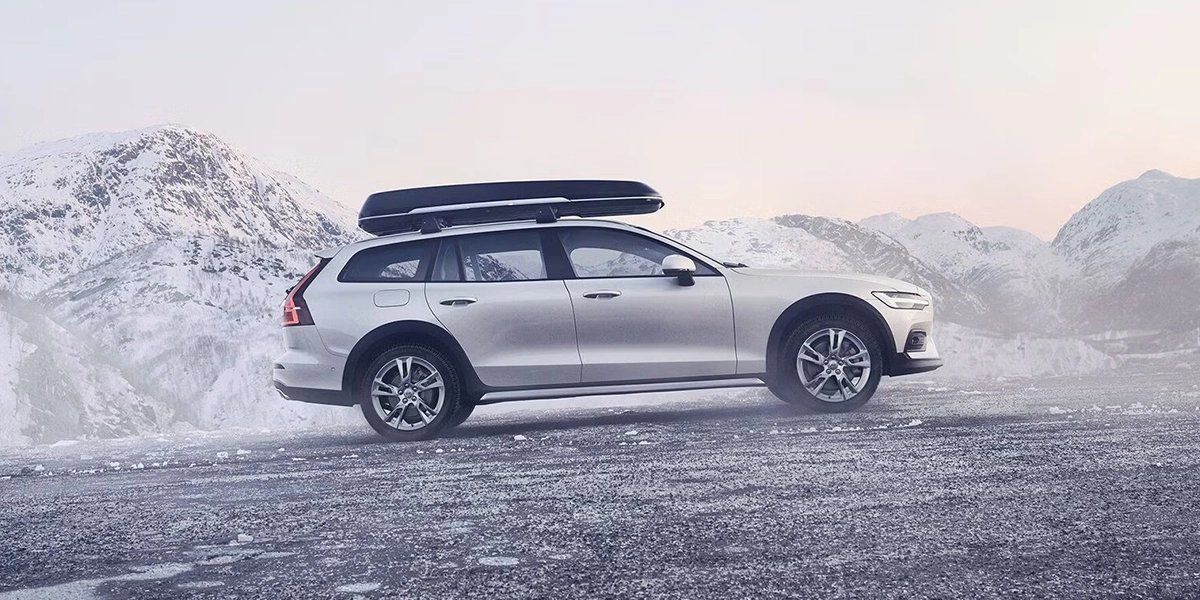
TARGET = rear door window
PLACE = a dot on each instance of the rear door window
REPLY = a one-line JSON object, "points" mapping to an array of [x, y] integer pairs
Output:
{"points": [[502, 256], [393, 262]]}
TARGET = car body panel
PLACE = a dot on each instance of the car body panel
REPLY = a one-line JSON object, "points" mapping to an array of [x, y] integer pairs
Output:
{"points": [[514, 332], [653, 328], [760, 297]]}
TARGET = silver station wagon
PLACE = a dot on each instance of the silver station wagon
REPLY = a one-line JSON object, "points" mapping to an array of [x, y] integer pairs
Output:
{"points": [[481, 293]]}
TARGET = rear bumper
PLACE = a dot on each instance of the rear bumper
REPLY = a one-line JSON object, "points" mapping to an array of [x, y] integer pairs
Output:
{"points": [[313, 395]]}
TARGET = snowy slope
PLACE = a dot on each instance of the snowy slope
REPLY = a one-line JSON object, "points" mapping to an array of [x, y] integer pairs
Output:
{"points": [[167, 252], [1120, 227], [69, 205], [53, 386], [197, 320], [1136, 252], [1017, 275]]}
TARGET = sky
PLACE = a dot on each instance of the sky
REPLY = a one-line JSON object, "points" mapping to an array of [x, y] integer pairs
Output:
{"points": [[1007, 113]]}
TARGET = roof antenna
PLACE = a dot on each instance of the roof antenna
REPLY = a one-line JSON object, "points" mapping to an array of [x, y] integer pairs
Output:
{"points": [[546, 214], [431, 225]]}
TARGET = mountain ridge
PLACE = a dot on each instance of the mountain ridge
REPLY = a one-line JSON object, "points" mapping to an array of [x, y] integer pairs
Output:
{"points": [[165, 251]]}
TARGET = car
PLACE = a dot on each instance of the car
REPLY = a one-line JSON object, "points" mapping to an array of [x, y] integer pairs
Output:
{"points": [[481, 293]]}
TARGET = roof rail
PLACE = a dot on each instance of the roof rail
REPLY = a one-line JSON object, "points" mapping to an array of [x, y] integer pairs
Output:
{"points": [[431, 209]]}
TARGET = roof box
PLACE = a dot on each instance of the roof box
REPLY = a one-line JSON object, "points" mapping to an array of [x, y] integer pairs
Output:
{"points": [[429, 209]]}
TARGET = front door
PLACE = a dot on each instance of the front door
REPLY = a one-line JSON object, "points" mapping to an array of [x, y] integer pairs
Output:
{"points": [[492, 292], [636, 324]]}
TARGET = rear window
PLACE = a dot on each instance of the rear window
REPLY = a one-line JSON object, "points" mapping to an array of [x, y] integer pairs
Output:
{"points": [[394, 262]]}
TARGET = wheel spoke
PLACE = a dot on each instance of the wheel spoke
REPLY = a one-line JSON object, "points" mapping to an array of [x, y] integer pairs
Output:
{"points": [[816, 358], [404, 366], [861, 359], [433, 380], [835, 341], [383, 389], [820, 383], [396, 412], [421, 412], [841, 388], [850, 385]]}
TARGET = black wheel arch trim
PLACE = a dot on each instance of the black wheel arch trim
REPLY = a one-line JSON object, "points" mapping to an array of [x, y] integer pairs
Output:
{"points": [[419, 332], [813, 304]]}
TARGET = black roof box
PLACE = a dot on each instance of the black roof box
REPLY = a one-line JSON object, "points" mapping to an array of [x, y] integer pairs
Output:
{"points": [[431, 208]]}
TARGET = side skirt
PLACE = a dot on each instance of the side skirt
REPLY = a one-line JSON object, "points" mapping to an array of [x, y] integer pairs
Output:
{"points": [[621, 388]]}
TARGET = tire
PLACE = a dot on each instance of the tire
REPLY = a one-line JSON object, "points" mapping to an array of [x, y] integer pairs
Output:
{"points": [[415, 413], [837, 381], [465, 408]]}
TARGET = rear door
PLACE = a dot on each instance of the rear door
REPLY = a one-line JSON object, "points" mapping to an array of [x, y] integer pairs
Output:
{"points": [[634, 323], [495, 294]]}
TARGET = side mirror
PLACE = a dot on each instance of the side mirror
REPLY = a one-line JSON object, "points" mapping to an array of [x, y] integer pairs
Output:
{"points": [[681, 267]]}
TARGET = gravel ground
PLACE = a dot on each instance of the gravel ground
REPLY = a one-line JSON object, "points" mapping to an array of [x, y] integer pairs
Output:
{"points": [[1065, 487]]}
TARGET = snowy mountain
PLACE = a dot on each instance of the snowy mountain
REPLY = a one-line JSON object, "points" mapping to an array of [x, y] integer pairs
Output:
{"points": [[69, 205], [1018, 276], [1121, 226], [1136, 252], [167, 251], [141, 274]]}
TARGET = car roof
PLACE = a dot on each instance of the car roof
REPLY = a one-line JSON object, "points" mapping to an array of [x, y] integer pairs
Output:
{"points": [[413, 236]]}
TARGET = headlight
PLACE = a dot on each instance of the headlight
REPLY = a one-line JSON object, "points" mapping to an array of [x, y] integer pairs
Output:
{"points": [[902, 300]]}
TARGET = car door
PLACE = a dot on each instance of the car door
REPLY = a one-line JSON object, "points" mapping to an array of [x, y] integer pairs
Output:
{"points": [[494, 294], [633, 322]]}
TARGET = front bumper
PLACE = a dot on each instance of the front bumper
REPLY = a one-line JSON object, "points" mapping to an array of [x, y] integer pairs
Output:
{"points": [[907, 363], [903, 365]]}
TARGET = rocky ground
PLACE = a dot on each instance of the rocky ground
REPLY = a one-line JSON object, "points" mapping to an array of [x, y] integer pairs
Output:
{"points": [[1063, 487]]}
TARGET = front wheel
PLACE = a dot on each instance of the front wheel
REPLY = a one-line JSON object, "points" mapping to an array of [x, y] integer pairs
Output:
{"points": [[829, 363], [409, 393]]}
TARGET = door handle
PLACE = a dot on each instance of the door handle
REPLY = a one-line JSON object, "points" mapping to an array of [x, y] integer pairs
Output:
{"points": [[602, 294], [463, 301]]}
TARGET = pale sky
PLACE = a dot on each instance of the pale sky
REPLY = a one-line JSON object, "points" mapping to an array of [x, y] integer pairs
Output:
{"points": [[1008, 113]]}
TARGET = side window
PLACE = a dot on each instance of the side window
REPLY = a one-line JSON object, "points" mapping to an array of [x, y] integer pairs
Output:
{"points": [[614, 253], [394, 262], [503, 256]]}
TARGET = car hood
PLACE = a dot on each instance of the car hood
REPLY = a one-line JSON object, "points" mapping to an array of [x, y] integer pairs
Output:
{"points": [[884, 284]]}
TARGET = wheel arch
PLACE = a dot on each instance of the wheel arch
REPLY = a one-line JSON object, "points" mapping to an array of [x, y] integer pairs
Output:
{"points": [[817, 303], [399, 332]]}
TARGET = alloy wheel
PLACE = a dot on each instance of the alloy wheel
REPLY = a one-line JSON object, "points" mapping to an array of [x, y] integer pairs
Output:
{"points": [[408, 393], [834, 365]]}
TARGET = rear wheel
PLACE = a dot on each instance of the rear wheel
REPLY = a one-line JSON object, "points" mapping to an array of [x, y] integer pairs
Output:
{"points": [[409, 393], [829, 363]]}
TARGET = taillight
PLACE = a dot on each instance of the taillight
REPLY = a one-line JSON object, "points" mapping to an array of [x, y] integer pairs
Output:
{"points": [[295, 311]]}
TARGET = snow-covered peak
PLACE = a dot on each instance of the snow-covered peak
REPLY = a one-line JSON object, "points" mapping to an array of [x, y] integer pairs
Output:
{"points": [[70, 204], [1120, 226], [885, 223], [1156, 174]]}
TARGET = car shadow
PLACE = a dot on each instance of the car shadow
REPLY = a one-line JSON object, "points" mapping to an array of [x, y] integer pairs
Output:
{"points": [[641, 415]]}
